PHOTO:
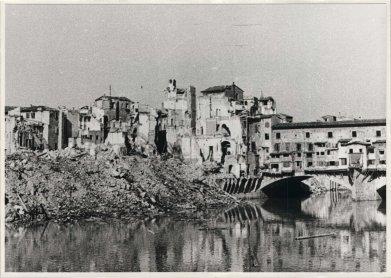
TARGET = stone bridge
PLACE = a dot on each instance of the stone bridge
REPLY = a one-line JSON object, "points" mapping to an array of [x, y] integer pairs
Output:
{"points": [[364, 184]]}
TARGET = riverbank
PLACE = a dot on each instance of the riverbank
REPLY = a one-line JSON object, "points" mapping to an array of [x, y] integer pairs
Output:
{"points": [[70, 184]]}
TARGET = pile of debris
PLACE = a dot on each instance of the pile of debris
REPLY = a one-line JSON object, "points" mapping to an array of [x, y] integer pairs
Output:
{"points": [[73, 184]]}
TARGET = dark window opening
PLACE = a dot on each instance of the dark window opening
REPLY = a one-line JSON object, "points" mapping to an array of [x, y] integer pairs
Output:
{"points": [[354, 133], [278, 135], [378, 133], [307, 135], [330, 134], [266, 136]]}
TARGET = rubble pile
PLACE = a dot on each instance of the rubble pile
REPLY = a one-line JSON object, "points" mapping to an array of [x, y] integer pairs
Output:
{"points": [[72, 184]]}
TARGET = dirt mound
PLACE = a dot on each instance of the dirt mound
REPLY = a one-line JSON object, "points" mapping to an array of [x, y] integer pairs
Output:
{"points": [[72, 184]]}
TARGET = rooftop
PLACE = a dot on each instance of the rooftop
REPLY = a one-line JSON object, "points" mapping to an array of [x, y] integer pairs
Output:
{"points": [[352, 123], [113, 98], [266, 99], [220, 88], [34, 108]]}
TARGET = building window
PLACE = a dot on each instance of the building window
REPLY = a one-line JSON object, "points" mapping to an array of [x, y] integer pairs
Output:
{"points": [[317, 153], [308, 155], [350, 150], [27, 115], [360, 150], [278, 135], [321, 153], [381, 152], [276, 147], [378, 133], [383, 162], [33, 115], [309, 164], [354, 133], [287, 146], [307, 135], [344, 161], [371, 150], [310, 147], [286, 164], [267, 124], [298, 147], [330, 134], [266, 136], [371, 162], [299, 154]]}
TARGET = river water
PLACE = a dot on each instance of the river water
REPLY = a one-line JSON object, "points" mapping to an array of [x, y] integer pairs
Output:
{"points": [[259, 236]]}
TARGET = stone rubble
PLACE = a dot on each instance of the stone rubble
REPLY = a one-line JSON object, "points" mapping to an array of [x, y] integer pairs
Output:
{"points": [[71, 184]]}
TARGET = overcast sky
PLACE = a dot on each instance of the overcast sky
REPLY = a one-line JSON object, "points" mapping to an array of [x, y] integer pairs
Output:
{"points": [[313, 59]]}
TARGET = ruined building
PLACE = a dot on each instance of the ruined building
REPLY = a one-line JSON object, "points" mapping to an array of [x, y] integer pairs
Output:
{"points": [[34, 127]]}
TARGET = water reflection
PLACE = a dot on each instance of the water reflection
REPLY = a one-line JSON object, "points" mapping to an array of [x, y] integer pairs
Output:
{"points": [[259, 236]]}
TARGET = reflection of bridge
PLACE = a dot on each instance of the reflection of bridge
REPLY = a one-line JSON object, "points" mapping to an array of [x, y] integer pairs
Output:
{"points": [[364, 184], [341, 213]]}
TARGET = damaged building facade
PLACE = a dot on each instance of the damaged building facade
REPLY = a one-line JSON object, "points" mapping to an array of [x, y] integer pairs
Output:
{"points": [[243, 136], [34, 127]]}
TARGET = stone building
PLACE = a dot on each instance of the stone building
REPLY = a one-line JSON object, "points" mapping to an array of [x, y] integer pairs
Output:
{"points": [[33, 127], [328, 144], [180, 109]]}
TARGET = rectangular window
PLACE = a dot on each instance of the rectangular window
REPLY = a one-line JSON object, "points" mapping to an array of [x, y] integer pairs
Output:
{"points": [[286, 164], [266, 136], [33, 115], [381, 151], [310, 147], [299, 154], [328, 152], [309, 164], [298, 147], [371, 162], [287, 146], [329, 134], [350, 150], [309, 155], [321, 153], [360, 150], [354, 133], [383, 162], [371, 150], [307, 135], [317, 153], [343, 161], [276, 147], [278, 135], [27, 115], [378, 133]]}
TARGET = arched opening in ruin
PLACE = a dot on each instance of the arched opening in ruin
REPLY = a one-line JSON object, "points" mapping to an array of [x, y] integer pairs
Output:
{"points": [[226, 130]]}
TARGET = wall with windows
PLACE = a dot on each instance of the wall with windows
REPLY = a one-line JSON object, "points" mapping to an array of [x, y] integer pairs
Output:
{"points": [[331, 148]]}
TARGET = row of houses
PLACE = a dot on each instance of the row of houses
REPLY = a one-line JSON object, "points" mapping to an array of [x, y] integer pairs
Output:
{"points": [[245, 136]]}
